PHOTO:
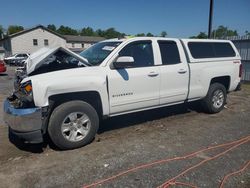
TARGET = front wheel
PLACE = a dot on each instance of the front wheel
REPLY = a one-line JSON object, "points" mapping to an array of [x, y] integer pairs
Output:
{"points": [[73, 124], [216, 98]]}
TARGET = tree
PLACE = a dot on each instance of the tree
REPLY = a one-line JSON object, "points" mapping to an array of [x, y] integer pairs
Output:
{"points": [[140, 35], [1, 32], [149, 35], [222, 32], [14, 29], [65, 30], [100, 32], [247, 33], [88, 31], [201, 35], [51, 27], [164, 34], [112, 33]]}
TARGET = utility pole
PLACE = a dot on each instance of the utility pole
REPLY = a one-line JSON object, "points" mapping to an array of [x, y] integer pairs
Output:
{"points": [[210, 18]]}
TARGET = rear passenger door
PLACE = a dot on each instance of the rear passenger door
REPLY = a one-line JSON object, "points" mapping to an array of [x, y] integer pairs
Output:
{"points": [[174, 72]]}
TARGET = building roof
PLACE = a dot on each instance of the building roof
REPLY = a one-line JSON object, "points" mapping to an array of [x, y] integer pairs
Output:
{"points": [[31, 29], [68, 38], [73, 38]]}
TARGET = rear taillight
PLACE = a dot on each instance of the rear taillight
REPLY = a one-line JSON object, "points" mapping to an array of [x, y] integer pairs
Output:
{"points": [[240, 71]]}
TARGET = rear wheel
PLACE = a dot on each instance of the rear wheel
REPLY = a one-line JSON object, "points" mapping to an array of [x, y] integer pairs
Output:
{"points": [[73, 124], [216, 98]]}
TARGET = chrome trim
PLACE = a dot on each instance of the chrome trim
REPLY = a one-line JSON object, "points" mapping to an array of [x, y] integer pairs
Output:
{"points": [[22, 119]]}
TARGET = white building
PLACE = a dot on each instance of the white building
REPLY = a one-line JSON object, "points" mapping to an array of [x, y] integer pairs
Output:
{"points": [[79, 43], [2, 53], [30, 40]]}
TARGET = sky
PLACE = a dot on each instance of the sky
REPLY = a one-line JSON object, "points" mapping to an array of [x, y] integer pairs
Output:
{"points": [[179, 18]]}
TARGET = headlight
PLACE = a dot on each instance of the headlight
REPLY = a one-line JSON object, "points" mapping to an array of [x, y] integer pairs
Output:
{"points": [[26, 87]]}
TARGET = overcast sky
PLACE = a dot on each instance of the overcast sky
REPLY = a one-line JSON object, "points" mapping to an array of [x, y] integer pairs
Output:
{"points": [[179, 18]]}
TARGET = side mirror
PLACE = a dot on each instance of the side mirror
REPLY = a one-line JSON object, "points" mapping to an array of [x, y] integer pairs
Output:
{"points": [[123, 62]]}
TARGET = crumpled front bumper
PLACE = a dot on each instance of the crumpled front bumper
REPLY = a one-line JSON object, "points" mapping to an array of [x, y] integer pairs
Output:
{"points": [[25, 123]]}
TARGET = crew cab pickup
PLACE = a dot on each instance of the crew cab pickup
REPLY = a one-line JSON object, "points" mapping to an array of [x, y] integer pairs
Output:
{"points": [[63, 95]]}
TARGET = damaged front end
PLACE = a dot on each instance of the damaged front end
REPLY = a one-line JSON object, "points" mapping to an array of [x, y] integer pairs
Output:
{"points": [[24, 118], [22, 97], [21, 115]]}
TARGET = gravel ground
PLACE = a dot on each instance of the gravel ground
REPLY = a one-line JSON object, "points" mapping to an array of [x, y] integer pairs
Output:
{"points": [[131, 140]]}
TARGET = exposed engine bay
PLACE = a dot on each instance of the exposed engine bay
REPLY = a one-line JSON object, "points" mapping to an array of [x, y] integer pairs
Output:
{"points": [[40, 62], [58, 61]]}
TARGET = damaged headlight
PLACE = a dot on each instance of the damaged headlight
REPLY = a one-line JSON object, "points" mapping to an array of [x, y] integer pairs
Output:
{"points": [[26, 87], [23, 97]]}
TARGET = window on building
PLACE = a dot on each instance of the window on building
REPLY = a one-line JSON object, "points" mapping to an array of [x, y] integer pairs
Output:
{"points": [[35, 42], [211, 49], [73, 45], [141, 51], [46, 42], [169, 52]]}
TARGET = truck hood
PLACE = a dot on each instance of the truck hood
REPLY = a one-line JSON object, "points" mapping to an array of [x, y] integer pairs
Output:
{"points": [[40, 57]]}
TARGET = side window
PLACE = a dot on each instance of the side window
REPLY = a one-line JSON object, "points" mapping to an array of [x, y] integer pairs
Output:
{"points": [[141, 51], [169, 52], [201, 50], [35, 42], [46, 42], [223, 50]]}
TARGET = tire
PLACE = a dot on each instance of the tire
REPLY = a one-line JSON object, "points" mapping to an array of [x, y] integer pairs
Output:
{"points": [[215, 90], [73, 124]]}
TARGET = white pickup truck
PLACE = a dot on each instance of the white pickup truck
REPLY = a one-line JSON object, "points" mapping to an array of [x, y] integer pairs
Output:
{"points": [[63, 95]]}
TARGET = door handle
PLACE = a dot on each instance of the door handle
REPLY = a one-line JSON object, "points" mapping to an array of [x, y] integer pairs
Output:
{"points": [[182, 71], [152, 74]]}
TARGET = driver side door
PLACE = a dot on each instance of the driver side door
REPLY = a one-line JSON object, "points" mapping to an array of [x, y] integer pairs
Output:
{"points": [[134, 87]]}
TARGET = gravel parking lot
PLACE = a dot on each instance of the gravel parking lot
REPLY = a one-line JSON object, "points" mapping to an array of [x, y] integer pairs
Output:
{"points": [[138, 139]]}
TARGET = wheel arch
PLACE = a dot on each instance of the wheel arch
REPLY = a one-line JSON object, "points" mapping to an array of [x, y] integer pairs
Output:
{"points": [[91, 97], [224, 80]]}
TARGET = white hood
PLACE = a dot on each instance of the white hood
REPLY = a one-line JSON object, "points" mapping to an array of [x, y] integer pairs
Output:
{"points": [[39, 57]]}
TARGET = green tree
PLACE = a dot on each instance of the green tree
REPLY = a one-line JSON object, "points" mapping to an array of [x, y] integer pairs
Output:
{"points": [[88, 31], [51, 27], [100, 32], [164, 34], [112, 33], [223, 31], [247, 33], [149, 34], [65, 30], [1, 32], [14, 29], [201, 35], [140, 35]]}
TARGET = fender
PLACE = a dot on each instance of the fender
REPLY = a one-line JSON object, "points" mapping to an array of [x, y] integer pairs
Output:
{"points": [[69, 81]]}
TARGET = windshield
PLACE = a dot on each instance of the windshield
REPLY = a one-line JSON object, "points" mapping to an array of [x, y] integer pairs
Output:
{"points": [[98, 52]]}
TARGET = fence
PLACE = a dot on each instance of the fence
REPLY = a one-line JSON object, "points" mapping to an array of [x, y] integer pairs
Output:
{"points": [[242, 43]]}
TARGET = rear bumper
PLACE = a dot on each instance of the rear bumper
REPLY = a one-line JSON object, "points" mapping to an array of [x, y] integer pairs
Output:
{"points": [[25, 123]]}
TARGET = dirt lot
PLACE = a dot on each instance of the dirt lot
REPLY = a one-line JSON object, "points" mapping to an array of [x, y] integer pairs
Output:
{"points": [[141, 138]]}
